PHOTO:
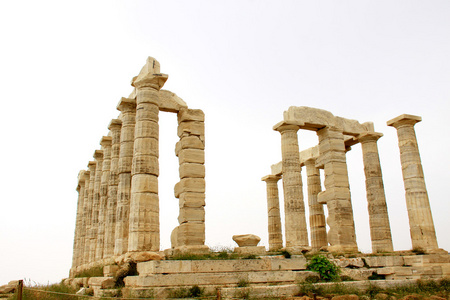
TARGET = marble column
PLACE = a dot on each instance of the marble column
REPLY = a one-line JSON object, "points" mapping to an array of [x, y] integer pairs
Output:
{"points": [[336, 196], [78, 227], [421, 224], [190, 190], [98, 156], [144, 205], [380, 230], [110, 222], [105, 142], [294, 207], [128, 109], [273, 212], [88, 199], [317, 222], [83, 231]]}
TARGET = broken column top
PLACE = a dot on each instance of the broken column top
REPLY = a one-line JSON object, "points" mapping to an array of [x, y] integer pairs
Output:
{"points": [[405, 117], [150, 75]]}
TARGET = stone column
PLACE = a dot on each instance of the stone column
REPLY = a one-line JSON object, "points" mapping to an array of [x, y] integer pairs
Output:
{"points": [[144, 206], [190, 234], [89, 198], [273, 212], [83, 231], [77, 251], [111, 206], [380, 230], [128, 109], [106, 166], [98, 156], [316, 214], [294, 207], [341, 235], [421, 224]]}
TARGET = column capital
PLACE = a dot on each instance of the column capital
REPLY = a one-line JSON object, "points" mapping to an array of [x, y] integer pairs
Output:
{"points": [[98, 154], [115, 124], [287, 125], [369, 136], [271, 178], [82, 176], [154, 81], [91, 165], [106, 141], [126, 104], [404, 119]]}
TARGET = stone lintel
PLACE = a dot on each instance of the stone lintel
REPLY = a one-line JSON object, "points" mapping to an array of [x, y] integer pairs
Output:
{"points": [[369, 136], [271, 178], [114, 123], [350, 141], [126, 103], [170, 102], [402, 118], [106, 141], [287, 125], [98, 154]]}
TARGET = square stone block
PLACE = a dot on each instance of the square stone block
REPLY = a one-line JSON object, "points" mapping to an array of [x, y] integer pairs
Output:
{"points": [[191, 156], [189, 142], [191, 128], [190, 170], [196, 185], [188, 214], [190, 115], [250, 250], [190, 199], [191, 233]]}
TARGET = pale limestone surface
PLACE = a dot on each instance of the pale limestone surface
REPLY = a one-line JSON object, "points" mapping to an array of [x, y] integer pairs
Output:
{"points": [[380, 230], [246, 240], [273, 212], [423, 234], [294, 207]]}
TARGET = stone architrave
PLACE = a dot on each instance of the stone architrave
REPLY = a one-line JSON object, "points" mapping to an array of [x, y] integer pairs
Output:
{"points": [[102, 212], [98, 156], [380, 230], [128, 108], [144, 204], [336, 196], [111, 206], [78, 228], [421, 224], [190, 234], [317, 221], [273, 212], [294, 207], [89, 193]]}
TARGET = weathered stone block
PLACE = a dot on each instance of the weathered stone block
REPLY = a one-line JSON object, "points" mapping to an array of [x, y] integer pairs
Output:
{"points": [[191, 128], [356, 262], [250, 250], [145, 164], [190, 170], [188, 214], [196, 156], [384, 261], [191, 199], [110, 270], [146, 146], [190, 115], [245, 240], [144, 183], [189, 142], [196, 185]]}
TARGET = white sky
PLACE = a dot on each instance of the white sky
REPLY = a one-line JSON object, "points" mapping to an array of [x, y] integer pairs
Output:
{"points": [[64, 65]]}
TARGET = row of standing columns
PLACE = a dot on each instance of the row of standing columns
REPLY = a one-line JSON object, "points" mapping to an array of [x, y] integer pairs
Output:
{"points": [[341, 235], [118, 202]]}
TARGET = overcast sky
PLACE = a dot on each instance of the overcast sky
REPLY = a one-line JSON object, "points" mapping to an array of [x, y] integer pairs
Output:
{"points": [[64, 65]]}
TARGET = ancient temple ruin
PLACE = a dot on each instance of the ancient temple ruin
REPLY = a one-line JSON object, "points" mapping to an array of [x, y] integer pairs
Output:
{"points": [[336, 135], [117, 221], [118, 204]]}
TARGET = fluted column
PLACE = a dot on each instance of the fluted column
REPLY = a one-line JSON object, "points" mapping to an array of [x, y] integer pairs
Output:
{"points": [[111, 206], [78, 223], [317, 222], [89, 199], [421, 224], [98, 156], [341, 235], [106, 166], [380, 230], [273, 212], [294, 207], [144, 206], [128, 109], [83, 231]]}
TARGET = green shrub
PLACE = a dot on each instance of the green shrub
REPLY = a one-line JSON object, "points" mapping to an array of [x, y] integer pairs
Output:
{"points": [[326, 269]]}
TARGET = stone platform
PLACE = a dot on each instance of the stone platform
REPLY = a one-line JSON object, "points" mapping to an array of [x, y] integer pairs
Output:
{"points": [[273, 275]]}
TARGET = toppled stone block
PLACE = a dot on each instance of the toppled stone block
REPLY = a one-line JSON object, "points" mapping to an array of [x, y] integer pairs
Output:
{"points": [[356, 262], [246, 240]]}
